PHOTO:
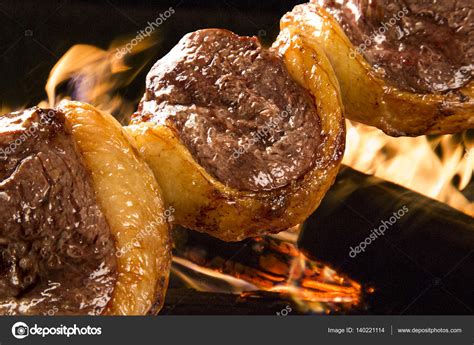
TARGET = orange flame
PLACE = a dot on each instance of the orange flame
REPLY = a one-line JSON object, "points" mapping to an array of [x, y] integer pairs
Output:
{"points": [[279, 268], [414, 163], [97, 75]]}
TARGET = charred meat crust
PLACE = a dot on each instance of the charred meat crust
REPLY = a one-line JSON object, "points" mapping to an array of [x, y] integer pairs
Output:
{"points": [[203, 202], [416, 45], [236, 108], [368, 96]]}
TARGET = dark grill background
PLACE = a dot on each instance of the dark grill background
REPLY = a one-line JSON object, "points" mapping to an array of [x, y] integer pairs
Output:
{"points": [[35, 34]]}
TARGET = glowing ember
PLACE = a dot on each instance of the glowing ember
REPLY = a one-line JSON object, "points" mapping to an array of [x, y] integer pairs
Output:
{"points": [[270, 264]]}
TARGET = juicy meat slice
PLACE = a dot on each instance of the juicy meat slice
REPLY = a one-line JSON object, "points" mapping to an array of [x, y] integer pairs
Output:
{"points": [[236, 108], [56, 249], [422, 46]]}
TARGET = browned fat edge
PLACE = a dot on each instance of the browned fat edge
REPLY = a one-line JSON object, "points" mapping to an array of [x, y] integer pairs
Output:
{"points": [[235, 107], [416, 45]]}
